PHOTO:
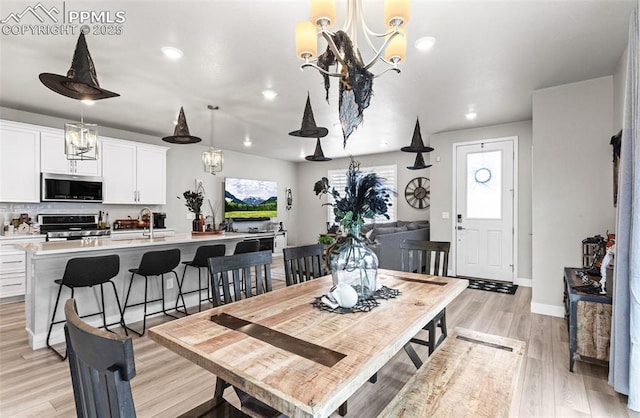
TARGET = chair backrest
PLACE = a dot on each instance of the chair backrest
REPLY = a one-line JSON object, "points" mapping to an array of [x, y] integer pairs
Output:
{"points": [[90, 271], [154, 263], [303, 263], [249, 246], [239, 271], [101, 365], [204, 252], [427, 257]]}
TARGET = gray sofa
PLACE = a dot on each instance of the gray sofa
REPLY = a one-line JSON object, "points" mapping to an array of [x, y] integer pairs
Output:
{"points": [[387, 237]]}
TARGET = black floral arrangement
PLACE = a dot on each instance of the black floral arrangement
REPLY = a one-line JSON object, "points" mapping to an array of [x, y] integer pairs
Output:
{"points": [[365, 196], [193, 201]]}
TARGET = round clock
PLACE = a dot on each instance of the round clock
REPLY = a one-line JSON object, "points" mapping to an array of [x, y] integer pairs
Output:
{"points": [[417, 192]]}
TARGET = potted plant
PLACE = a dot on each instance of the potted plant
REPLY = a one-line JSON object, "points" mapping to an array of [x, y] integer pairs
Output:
{"points": [[365, 196], [193, 201]]}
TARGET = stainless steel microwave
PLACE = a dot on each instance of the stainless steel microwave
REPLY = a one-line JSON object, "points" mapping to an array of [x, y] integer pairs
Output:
{"points": [[70, 188]]}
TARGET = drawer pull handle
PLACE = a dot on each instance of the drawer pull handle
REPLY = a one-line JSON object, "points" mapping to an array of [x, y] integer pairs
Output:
{"points": [[9, 262], [14, 284]]}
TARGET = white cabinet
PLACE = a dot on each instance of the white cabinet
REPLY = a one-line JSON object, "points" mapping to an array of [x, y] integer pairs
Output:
{"points": [[13, 264], [19, 162], [54, 160], [279, 242], [12, 270], [133, 173]]}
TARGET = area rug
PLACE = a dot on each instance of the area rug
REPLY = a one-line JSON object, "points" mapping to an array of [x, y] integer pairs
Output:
{"points": [[491, 286]]}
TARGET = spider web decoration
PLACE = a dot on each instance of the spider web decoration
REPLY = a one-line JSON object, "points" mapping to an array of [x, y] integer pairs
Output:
{"points": [[363, 305], [356, 87]]}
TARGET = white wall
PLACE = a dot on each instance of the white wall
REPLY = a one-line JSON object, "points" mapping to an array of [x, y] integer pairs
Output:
{"points": [[619, 79], [572, 181], [442, 185], [312, 216], [183, 168]]}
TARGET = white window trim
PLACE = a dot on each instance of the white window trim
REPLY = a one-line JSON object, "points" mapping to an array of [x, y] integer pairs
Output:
{"points": [[389, 174]]}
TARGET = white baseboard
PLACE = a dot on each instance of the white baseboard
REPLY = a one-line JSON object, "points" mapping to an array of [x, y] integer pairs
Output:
{"points": [[549, 310], [522, 281]]}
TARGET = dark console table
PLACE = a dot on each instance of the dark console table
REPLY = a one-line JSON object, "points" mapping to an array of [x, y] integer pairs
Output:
{"points": [[589, 320]]}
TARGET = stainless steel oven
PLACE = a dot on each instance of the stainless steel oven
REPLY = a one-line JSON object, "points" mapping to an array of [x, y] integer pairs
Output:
{"points": [[60, 227]]}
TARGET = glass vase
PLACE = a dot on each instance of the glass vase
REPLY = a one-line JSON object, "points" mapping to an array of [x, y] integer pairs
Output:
{"points": [[355, 264], [195, 224]]}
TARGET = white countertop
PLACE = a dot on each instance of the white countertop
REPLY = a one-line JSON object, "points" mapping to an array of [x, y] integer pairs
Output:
{"points": [[7, 239], [97, 244]]}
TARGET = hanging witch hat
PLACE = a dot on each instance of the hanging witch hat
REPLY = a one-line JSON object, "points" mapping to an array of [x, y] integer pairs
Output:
{"points": [[318, 155], [181, 133], [416, 142], [81, 81], [309, 128], [419, 163]]}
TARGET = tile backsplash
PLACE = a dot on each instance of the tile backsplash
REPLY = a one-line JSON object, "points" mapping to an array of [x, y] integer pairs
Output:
{"points": [[9, 211]]}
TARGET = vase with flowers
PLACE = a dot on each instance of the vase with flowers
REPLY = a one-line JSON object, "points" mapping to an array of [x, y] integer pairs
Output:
{"points": [[365, 196], [193, 201]]}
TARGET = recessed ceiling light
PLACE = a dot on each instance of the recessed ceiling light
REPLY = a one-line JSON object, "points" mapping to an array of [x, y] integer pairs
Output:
{"points": [[302, 154], [171, 52], [425, 43], [269, 94], [88, 102], [247, 142], [383, 144], [175, 122], [471, 115]]}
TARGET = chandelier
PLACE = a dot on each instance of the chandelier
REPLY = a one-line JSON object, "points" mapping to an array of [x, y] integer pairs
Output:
{"points": [[356, 81], [212, 159], [323, 15]]}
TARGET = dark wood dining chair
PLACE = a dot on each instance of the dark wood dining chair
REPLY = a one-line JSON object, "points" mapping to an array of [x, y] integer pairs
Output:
{"points": [[247, 274], [427, 257], [240, 274], [101, 365], [303, 263]]}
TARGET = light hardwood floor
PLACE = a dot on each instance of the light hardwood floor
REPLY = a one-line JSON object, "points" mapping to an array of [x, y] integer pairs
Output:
{"points": [[37, 383]]}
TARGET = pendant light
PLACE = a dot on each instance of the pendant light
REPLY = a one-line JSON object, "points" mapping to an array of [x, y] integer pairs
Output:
{"points": [[212, 159], [81, 140]]}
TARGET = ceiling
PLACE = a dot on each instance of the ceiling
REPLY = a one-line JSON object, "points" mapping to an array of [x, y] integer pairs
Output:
{"points": [[489, 57]]}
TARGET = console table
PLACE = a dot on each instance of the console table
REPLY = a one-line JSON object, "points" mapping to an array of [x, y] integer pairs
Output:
{"points": [[589, 321]]}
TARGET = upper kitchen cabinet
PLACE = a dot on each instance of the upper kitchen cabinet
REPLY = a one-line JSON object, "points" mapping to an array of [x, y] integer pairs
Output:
{"points": [[19, 162], [54, 160], [133, 173]]}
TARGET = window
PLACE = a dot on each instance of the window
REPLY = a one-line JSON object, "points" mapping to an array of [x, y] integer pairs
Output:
{"points": [[338, 180]]}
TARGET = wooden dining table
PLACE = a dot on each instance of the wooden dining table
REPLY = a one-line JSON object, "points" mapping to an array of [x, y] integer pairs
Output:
{"points": [[301, 360]]}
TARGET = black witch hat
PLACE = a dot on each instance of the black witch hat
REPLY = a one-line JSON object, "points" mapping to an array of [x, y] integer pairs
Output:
{"points": [[419, 163], [309, 128], [416, 142], [81, 81], [318, 155], [181, 133]]}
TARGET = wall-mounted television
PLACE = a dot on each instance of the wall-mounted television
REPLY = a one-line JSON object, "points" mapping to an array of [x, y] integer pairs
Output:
{"points": [[246, 199]]}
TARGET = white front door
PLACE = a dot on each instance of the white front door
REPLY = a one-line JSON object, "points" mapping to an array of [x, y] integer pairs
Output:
{"points": [[483, 225]]}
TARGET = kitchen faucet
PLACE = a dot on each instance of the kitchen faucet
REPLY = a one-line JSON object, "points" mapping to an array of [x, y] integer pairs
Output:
{"points": [[150, 235]]}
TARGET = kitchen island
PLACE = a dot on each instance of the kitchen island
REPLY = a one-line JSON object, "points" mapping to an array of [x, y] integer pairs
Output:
{"points": [[46, 262]]}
